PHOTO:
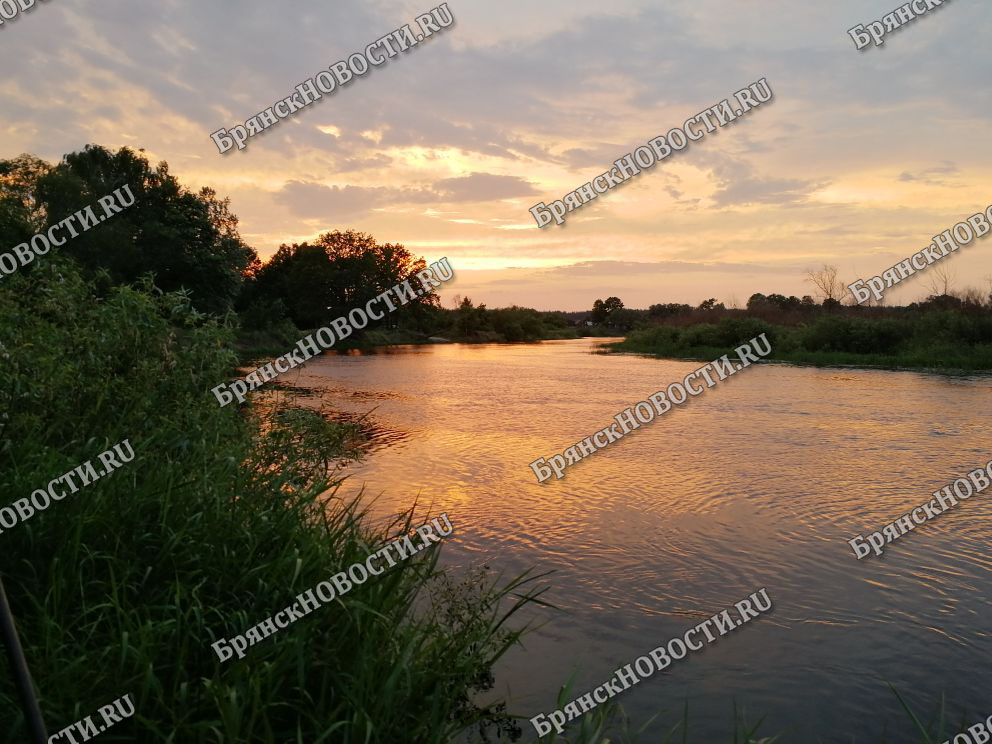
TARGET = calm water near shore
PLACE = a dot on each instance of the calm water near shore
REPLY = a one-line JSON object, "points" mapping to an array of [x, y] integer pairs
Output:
{"points": [[757, 483]]}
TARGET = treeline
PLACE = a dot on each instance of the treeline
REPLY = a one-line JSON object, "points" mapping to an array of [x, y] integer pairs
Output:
{"points": [[189, 241], [611, 316], [308, 284], [947, 329], [477, 323]]}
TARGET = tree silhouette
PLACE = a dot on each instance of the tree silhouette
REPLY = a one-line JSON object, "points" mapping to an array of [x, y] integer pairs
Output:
{"points": [[603, 309], [186, 239]]}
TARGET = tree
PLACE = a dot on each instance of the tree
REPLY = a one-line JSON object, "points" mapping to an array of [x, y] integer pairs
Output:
{"points": [[757, 301], [603, 309], [972, 297], [940, 280], [336, 273], [470, 320], [186, 239], [21, 214], [668, 309], [828, 285]]}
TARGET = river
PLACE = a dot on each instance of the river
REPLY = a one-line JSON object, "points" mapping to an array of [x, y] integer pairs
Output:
{"points": [[758, 482]]}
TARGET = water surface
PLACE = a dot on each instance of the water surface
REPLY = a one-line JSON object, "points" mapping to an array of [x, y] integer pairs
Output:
{"points": [[759, 482]]}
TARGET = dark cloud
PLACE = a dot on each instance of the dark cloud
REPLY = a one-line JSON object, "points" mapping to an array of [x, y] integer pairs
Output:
{"points": [[218, 63], [740, 186], [479, 187]]}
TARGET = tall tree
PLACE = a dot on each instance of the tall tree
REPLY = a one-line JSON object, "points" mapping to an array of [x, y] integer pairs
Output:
{"points": [[827, 283], [339, 271], [21, 214], [188, 240], [602, 309]]}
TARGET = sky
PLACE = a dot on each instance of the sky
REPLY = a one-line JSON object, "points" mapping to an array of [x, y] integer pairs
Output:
{"points": [[860, 158]]}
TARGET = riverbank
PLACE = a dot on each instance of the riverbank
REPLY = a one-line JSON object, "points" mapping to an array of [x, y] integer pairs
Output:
{"points": [[221, 518], [273, 343], [938, 341]]}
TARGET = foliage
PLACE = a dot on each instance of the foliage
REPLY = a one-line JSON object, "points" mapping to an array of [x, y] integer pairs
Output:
{"points": [[603, 311], [339, 271], [935, 339], [21, 215], [221, 520], [187, 240]]}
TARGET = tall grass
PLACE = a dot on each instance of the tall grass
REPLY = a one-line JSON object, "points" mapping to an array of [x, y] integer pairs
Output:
{"points": [[218, 523], [931, 340]]}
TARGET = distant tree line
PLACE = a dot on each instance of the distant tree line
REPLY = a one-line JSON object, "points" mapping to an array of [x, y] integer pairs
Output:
{"points": [[610, 316], [947, 329]]}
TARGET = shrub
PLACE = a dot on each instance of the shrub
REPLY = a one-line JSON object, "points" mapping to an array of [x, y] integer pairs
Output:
{"points": [[218, 522]]}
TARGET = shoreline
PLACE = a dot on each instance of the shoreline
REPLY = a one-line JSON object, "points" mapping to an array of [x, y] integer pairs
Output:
{"points": [[805, 360]]}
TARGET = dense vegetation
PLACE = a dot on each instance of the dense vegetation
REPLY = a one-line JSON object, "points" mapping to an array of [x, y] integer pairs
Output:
{"points": [[922, 338], [222, 518], [187, 240], [217, 523], [190, 240], [943, 332]]}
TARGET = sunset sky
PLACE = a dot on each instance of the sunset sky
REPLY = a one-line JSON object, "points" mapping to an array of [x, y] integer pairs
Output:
{"points": [[859, 159]]}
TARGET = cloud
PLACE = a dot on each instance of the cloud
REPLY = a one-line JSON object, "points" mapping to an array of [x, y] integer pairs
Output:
{"points": [[482, 187], [315, 200], [933, 176], [739, 186], [517, 101]]}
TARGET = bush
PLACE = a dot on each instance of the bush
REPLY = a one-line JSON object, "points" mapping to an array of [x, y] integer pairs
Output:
{"points": [[218, 523], [856, 335]]}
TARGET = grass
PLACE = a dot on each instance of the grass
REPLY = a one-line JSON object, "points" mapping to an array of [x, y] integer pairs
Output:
{"points": [[218, 523], [944, 341]]}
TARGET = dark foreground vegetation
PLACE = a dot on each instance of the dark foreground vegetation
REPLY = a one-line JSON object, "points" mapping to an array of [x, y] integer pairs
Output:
{"points": [[304, 286], [223, 516], [218, 522]]}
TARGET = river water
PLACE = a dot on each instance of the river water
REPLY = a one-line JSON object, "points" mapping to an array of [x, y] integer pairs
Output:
{"points": [[758, 482]]}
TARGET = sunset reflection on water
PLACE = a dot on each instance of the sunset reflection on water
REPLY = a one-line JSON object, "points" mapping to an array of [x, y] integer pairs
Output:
{"points": [[760, 481]]}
